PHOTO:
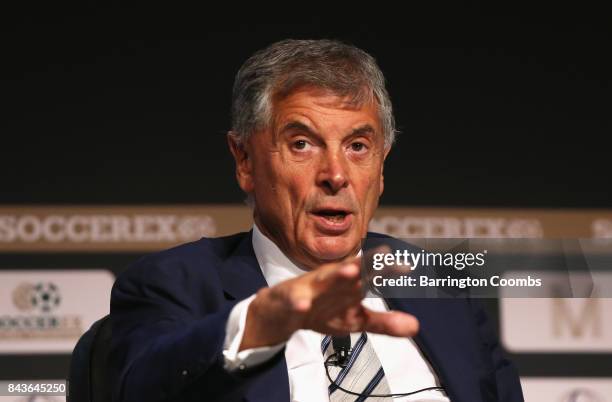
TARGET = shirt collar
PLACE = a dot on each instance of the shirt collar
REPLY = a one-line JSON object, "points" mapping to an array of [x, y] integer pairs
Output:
{"points": [[275, 265]]}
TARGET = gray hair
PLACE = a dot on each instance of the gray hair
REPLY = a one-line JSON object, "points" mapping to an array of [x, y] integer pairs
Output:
{"points": [[283, 66]]}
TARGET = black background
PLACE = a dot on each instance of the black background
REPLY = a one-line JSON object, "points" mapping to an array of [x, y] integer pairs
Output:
{"points": [[504, 107]]}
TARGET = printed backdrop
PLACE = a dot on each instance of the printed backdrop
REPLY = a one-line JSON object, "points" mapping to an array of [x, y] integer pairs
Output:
{"points": [[58, 264]]}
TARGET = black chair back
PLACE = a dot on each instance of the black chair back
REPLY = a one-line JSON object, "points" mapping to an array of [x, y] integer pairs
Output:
{"points": [[89, 368]]}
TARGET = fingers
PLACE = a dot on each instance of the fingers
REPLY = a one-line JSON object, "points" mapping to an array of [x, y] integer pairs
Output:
{"points": [[337, 282], [328, 300], [344, 307], [342, 280], [350, 320], [393, 323], [329, 274], [321, 294]]}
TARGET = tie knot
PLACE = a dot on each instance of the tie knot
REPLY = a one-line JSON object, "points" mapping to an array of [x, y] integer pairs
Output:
{"points": [[327, 342]]}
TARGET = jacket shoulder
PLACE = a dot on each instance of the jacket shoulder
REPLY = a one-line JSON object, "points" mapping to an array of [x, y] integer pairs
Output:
{"points": [[204, 248], [183, 262]]}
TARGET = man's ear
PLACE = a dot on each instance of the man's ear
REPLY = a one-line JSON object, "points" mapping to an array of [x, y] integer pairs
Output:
{"points": [[382, 167], [244, 165]]}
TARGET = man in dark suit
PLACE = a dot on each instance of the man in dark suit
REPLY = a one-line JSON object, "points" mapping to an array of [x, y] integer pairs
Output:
{"points": [[249, 316]]}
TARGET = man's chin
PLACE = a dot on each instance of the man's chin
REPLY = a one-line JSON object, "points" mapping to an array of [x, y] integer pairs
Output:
{"points": [[334, 249]]}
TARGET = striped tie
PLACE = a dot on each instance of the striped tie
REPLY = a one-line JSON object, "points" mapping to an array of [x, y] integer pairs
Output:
{"points": [[363, 373]]}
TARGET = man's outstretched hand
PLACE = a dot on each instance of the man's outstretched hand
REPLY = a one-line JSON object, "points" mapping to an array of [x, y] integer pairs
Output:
{"points": [[326, 300]]}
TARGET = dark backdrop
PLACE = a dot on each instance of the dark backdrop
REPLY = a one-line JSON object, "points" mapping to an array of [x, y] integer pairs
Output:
{"points": [[496, 108]]}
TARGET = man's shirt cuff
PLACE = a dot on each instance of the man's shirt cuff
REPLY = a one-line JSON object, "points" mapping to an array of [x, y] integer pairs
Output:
{"points": [[234, 331]]}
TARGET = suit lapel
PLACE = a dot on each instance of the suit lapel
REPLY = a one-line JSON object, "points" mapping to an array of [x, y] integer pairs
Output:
{"points": [[241, 277], [240, 273], [447, 342]]}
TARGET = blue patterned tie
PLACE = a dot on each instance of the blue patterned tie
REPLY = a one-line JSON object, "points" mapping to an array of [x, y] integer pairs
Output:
{"points": [[363, 373]]}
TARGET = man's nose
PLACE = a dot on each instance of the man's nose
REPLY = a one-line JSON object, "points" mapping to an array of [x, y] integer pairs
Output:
{"points": [[333, 172]]}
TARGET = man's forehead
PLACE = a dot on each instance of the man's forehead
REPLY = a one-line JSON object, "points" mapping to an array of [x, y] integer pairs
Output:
{"points": [[326, 97], [308, 108]]}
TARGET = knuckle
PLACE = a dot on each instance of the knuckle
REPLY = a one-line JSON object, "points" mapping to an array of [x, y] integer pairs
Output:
{"points": [[296, 304]]}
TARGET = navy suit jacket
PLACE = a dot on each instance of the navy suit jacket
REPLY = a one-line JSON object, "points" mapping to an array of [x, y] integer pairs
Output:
{"points": [[169, 312]]}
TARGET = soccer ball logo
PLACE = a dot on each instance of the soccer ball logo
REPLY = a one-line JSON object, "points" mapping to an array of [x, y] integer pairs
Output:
{"points": [[45, 296]]}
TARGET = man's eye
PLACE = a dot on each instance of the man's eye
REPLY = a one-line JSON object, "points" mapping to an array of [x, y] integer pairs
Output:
{"points": [[358, 146], [300, 145]]}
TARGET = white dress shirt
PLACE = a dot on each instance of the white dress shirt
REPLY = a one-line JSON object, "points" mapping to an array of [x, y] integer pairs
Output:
{"points": [[406, 369]]}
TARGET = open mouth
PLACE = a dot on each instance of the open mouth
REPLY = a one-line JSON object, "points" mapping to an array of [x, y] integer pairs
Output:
{"points": [[332, 215], [332, 221]]}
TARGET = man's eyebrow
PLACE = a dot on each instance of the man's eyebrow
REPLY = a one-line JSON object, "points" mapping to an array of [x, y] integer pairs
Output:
{"points": [[366, 129], [296, 125]]}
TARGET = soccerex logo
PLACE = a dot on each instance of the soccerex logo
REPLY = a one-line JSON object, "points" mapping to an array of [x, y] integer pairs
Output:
{"points": [[39, 315], [42, 296]]}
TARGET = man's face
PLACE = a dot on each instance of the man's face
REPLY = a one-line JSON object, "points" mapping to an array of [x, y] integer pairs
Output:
{"points": [[316, 175]]}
